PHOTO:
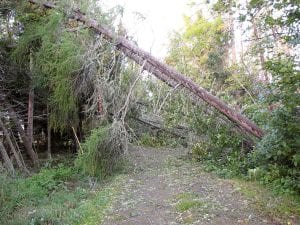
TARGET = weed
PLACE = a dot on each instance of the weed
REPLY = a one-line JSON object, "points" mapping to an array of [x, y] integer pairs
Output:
{"points": [[284, 208], [55, 196], [187, 201]]}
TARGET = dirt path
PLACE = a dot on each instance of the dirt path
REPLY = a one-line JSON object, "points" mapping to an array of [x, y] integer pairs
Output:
{"points": [[165, 189]]}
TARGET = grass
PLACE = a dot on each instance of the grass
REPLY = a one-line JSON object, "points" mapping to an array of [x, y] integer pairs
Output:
{"points": [[54, 196], [187, 201], [284, 209], [190, 207], [162, 140]]}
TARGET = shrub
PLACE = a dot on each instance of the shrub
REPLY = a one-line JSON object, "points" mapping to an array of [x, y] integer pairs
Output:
{"points": [[277, 154], [200, 150], [102, 150]]}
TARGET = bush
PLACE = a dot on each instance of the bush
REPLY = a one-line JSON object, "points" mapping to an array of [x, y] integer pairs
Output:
{"points": [[200, 150], [277, 154], [102, 150]]}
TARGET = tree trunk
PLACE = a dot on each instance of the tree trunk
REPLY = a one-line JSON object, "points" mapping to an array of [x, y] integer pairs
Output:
{"points": [[30, 106], [29, 149], [260, 53], [30, 117], [48, 134], [12, 148], [163, 71], [7, 162]]}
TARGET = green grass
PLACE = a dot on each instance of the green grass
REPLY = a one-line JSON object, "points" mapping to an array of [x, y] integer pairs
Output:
{"points": [[162, 140], [54, 196], [284, 209], [187, 201]]}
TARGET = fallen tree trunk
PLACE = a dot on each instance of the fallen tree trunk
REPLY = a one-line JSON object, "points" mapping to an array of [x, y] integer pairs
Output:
{"points": [[163, 71]]}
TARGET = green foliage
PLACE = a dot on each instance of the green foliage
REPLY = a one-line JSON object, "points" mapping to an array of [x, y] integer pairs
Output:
{"points": [[288, 19], [57, 65], [92, 160], [188, 201], [277, 153], [200, 150], [158, 141], [32, 190], [200, 52], [39, 27], [53, 196], [57, 59], [200, 49], [282, 207], [275, 159], [224, 6], [102, 151]]}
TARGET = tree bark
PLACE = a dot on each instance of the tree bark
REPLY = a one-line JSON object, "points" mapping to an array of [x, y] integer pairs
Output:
{"points": [[48, 134], [29, 149], [8, 164], [12, 148], [30, 117], [30, 106], [163, 71], [260, 52]]}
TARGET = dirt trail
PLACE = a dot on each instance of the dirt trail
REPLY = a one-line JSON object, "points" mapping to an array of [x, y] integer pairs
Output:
{"points": [[165, 189]]}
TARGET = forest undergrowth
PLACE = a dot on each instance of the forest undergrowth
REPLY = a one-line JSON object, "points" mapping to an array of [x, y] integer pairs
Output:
{"points": [[57, 194]]}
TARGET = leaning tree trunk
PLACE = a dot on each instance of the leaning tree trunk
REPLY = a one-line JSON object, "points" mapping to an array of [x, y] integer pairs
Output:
{"points": [[163, 71], [12, 148], [7, 162], [29, 149]]}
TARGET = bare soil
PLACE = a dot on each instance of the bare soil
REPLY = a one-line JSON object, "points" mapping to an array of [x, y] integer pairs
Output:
{"points": [[163, 188]]}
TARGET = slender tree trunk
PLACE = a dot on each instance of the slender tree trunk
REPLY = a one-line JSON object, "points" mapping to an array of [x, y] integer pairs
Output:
{"points": [[30, 107], [7, 162], [30, 117], [232, 44], [29, 149], [12, 148], [260, 52], [48, 134]]}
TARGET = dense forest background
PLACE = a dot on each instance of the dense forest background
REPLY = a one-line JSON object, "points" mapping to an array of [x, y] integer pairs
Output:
{"points": [[72, 103]]}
